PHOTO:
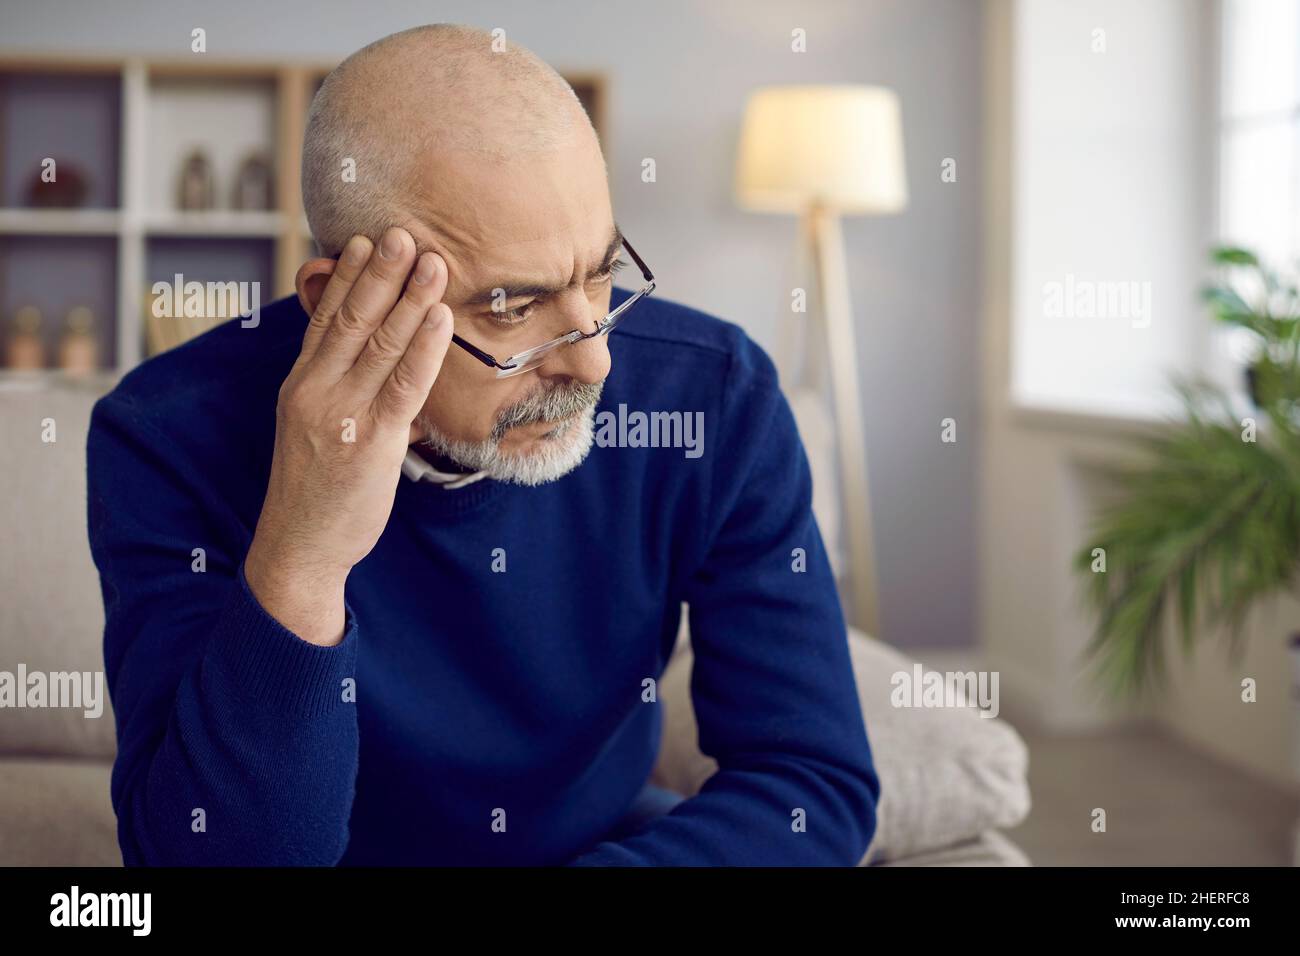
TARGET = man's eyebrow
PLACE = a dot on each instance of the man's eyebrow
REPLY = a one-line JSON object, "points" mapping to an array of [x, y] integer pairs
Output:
{"points": [[533, 290]]}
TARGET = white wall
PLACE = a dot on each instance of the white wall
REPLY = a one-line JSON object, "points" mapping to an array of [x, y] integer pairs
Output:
{"points": [[679, 74]]}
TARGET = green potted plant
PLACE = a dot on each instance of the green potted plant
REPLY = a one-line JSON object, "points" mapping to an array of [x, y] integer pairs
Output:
{"points": [[1207, 522], [1266, 309]]}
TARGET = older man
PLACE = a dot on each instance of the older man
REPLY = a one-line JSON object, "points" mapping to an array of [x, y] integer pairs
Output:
{"points": [[375, 595]]}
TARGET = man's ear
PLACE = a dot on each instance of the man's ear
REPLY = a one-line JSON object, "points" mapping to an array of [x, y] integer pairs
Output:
{"points": [[312, 277]]}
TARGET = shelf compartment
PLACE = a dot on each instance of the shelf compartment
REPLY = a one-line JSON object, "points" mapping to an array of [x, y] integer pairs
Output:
{"points": [[55, 274], [226, 117], [206, 260], [73, 118]]}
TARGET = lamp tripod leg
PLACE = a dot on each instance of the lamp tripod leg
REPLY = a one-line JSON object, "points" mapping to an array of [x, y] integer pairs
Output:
{"points": [[837, 313]]}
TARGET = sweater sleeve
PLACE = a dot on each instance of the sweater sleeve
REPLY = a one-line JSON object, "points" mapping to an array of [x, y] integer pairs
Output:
{"points": [[772, 685], [237, 740]]}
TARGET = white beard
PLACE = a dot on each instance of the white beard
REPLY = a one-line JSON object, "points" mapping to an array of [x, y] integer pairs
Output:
{"points": [[554, 457]]}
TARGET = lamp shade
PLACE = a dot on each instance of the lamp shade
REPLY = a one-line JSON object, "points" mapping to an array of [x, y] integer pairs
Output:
{"points": [[836, 146]]}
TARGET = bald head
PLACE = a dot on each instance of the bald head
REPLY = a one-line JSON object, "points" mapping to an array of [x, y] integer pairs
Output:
{"points": [[423, 106]]}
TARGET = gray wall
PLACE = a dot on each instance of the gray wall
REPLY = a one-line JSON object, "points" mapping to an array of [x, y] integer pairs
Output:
{"points": [[679, 73]]}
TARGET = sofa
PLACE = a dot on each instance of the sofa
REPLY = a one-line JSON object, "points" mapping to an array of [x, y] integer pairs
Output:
{"points": [[951, 780]]}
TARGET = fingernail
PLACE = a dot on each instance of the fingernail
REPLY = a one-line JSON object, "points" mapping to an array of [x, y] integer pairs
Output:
{"points": [[435, 317], [354, 252], [424, 269], [391, 246]]}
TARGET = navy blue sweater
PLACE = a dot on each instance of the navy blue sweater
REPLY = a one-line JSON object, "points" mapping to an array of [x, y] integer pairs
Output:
{"points": [[470, 716]]}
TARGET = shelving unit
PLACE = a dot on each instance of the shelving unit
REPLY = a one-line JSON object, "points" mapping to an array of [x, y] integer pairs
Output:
{"points": [[126, 125]]}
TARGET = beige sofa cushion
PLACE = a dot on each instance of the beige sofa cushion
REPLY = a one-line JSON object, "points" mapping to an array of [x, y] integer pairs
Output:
{"points": [[52, 615], [990, 848], [946, 775], [57, 813]]}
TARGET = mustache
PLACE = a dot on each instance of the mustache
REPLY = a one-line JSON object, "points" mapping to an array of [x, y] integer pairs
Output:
{"points": [[550, 405]]}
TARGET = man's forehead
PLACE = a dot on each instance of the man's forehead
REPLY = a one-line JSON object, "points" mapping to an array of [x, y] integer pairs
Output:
{"points": [[546, 203], [475, 262]]}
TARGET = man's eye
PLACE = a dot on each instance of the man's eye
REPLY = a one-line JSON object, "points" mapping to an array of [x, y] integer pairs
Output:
{"points": [[609, 273], [512, 316]]}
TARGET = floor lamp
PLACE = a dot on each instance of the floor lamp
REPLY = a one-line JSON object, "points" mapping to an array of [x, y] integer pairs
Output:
{"points": [[821, 152]]}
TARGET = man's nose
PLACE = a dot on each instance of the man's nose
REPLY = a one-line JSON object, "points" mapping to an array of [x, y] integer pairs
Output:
{"points": [[587, 361]]}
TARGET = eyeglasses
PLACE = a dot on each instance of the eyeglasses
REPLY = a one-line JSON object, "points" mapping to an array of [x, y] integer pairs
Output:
{"points": [[529, 359]]}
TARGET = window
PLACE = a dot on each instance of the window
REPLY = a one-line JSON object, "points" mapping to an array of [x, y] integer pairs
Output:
{"points": [[1111, 195], [1259, 128]]}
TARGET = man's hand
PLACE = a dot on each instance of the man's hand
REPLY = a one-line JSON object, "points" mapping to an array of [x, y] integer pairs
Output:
{"points": [[343, 425]]}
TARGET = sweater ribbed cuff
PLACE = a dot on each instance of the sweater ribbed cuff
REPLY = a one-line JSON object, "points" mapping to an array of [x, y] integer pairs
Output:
{"points": [[273, 665]]}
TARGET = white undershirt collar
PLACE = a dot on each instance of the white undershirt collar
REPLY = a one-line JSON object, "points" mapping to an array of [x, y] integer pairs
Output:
{"points": [[416, 467]]}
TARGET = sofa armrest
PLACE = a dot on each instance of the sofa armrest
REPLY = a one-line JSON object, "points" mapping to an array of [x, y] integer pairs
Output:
{"points": [[947, 775]]}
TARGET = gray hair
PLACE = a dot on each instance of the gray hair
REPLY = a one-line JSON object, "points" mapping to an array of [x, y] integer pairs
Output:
{"points": [[350, 127]]}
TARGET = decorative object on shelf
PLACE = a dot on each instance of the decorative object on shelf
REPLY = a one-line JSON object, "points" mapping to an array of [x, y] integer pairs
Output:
{"points": [[66, 190], [78, 350], [821, 152], [195, 191], [253, 184], [25, 350]]}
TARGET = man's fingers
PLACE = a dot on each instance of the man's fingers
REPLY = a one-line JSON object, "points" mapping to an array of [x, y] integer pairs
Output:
{"points": [[389, 342], [408, 387], [351, 261], [367, 304]]}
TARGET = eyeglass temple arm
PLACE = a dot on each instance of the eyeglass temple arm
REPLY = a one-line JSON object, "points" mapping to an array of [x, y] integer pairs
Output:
{"points": [[645, 270], [479, 353]]}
